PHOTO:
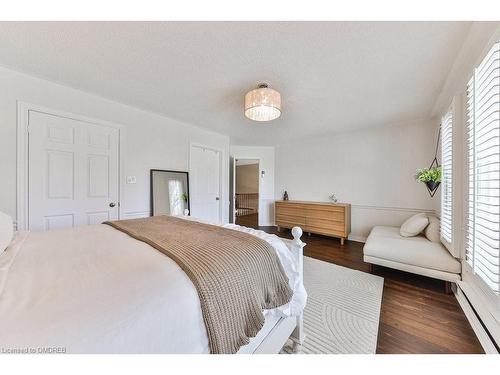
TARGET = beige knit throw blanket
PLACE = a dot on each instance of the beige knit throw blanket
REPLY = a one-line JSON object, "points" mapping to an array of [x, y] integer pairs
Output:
{"points": [[236, 274]]}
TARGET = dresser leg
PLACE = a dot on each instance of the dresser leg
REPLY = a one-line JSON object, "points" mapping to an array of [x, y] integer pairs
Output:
{"points": [[342, 241], [278, 228]]}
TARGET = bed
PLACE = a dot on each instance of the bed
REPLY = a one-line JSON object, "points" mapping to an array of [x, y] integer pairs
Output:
{"points": [[95, 289]]}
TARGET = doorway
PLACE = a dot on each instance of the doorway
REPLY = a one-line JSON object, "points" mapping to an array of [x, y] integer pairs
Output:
{"points": [[247, 192]]}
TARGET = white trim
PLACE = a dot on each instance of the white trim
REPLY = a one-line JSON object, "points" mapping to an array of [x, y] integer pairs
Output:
{"points": [[221, 171], [482, 335], [385, 208], [22, 190], [136, 214], [246, 161], [357, 238]]}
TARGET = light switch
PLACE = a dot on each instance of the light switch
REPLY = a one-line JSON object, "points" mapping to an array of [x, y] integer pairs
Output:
{"points": [[131, 179]]}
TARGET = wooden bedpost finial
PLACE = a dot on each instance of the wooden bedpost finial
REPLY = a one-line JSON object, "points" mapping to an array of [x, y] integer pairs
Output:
{"points": [[186, 212], [297, 233]]}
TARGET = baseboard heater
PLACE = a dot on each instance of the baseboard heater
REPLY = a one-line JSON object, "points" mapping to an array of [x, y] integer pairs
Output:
{"points": [[487, 340]]}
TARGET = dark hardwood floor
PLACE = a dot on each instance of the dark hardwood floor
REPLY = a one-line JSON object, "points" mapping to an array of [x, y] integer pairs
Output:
{"points": [[251, 220], [417, 315]]}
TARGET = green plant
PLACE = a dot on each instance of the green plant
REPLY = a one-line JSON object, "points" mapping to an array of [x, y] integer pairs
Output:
{"points": [[429, 174], [184, 197]]}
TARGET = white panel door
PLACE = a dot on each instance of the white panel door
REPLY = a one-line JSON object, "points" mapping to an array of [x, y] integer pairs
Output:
{"points": [[205, 183], [73, 172]]}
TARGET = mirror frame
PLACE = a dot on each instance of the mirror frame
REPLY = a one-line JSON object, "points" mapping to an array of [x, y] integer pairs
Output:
{"points": [[151, 172]]}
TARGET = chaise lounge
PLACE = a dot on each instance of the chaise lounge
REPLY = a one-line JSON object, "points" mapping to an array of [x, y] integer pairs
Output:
{"points": [[386, 247]]}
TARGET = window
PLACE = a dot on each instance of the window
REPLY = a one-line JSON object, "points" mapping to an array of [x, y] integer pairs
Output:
{"points": [[483, 165], [176, 197], [446, 178]]}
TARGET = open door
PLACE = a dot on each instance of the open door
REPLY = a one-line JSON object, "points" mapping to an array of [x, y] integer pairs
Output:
{"points": [[232, 189], [246, 183]]}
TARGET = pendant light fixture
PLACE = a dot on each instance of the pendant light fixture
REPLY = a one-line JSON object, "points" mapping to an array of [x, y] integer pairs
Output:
{"points": [[263, 104]]}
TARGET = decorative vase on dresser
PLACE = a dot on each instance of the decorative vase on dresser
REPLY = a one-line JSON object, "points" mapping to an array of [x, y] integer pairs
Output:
{"points": [[329, 219]]}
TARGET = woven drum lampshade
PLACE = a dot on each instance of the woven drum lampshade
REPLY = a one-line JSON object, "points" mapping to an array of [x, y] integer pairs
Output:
{"points": [[263, 104]]}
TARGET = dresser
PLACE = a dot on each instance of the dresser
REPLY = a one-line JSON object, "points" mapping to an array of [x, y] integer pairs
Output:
{"points": [[329, 219]]}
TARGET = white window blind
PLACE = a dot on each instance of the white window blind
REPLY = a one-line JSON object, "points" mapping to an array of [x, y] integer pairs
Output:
{"points": [[483, 159], [446, 178]]}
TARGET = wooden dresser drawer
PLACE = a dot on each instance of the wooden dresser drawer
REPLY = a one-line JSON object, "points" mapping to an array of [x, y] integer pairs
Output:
{"points": [[325, 225], [336, 215], [326, 232], [294, 220], [326, 207], [290, 211]]}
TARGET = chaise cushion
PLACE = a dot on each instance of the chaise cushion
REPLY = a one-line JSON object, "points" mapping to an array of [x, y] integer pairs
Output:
{"points": [[386, 243], [431, 232], [414, 225]]}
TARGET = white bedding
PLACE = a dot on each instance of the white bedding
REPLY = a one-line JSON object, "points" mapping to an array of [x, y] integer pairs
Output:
{"points": [[94, 289]]}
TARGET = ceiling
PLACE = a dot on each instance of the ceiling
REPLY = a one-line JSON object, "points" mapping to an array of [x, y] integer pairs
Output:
{"points": [[333, 76]]}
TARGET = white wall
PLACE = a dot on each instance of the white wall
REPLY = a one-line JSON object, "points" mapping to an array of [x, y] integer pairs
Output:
{"points": [[150, 140], [372, 169], [247, 178], [266, 184]]}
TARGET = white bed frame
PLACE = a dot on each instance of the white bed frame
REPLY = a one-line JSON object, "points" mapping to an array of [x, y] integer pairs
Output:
{"points": [[285, 328]]}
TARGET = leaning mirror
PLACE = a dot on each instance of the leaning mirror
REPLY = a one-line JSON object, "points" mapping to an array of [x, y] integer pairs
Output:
{"points": [[169, 192]]}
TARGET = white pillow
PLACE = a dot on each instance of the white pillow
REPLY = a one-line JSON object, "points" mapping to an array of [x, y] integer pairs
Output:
{"points": [[414, 225], [432, 230], [6, 231]]}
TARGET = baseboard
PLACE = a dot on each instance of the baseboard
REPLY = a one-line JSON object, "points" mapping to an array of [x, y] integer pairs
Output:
{"points": [[357, 238], [269, 224], [477, 326], [135, 214], [351, 237]]}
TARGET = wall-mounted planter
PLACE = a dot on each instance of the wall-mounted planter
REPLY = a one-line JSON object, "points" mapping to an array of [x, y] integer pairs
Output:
{"points": [[433, 173], [432, 186]]}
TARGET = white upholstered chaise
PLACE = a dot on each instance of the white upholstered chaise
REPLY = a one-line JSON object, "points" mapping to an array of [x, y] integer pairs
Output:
{"points": [[386, 247]]}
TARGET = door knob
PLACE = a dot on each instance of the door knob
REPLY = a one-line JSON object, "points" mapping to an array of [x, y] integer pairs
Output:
{"points": [[216, 198], [112, 204]]}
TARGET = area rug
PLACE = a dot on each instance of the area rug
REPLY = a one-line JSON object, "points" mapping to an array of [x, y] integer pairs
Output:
{"points": [[343, 310]]}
